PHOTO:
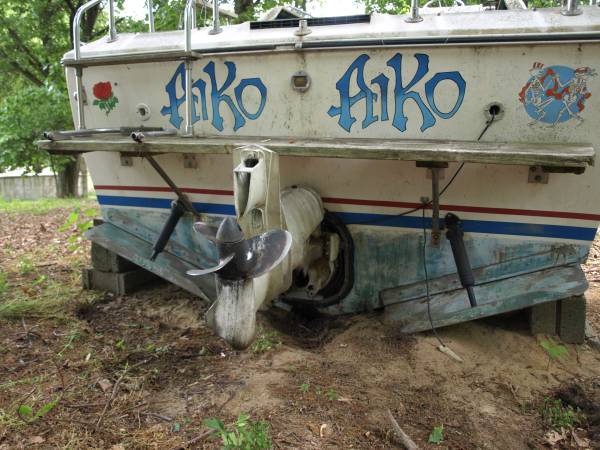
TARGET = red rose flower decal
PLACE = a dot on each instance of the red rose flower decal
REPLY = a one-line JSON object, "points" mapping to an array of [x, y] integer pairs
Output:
{"points": [[105, 98]]}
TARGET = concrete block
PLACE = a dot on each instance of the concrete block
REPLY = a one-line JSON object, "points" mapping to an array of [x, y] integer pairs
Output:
{"points": [[543, 318], [107, 261], [571, 319], [118, 283]]}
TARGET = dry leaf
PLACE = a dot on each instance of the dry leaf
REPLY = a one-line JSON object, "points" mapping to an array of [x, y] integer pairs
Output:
{"points": [[37, 440], [104, 384], [554, 437], [580, 442], [322, 430]]}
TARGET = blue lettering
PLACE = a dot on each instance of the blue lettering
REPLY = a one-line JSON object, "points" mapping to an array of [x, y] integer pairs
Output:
{"points": [[217, 95], [402, 93], [346, 102], [262, 89], [430, 92]]}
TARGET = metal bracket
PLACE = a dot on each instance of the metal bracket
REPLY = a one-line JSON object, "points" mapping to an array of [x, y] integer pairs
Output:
{"points": [[126, 161], [189, 161], [435, 168], [536, 174]]}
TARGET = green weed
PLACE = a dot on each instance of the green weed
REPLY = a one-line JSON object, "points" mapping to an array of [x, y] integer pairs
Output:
{"points": [[304, 387], [557, 416], [27, 414], [79, 221], [331, 394], [554, 349], [41, 206], [244, 434], [25, 266], [266, 340], [437, 435], [3, 283]]}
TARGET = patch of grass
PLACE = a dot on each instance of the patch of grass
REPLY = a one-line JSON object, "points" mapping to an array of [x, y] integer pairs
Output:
{"points": [[266, 340], [12, 383], [331, 394], [304, 387], [48, 300], [556, 415], [25, 266], [244, 434], [554, 349], [437, 435], [41, 206], [3, 283]]}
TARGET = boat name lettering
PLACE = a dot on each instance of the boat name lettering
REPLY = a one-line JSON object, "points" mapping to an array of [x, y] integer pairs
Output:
{"points": [[218, 95], [401, 94]]}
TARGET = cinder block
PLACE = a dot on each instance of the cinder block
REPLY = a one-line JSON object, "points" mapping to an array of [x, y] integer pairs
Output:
{"points": [[118, 283], [571, 319], [543, 318], [107, 261]]}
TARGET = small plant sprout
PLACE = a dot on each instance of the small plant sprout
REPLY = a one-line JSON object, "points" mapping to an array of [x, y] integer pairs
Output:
{"points": [[244, 434], [437, 435], [304, 387], [331, 394], [120, 345], [79, 222], [556, 415], [266, 340], [25, 266]]}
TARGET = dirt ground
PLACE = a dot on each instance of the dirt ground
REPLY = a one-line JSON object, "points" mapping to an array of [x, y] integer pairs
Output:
{"points": [[144, 371]]}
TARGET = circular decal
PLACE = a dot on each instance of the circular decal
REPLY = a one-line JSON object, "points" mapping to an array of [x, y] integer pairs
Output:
{"points": [[556, 94]]}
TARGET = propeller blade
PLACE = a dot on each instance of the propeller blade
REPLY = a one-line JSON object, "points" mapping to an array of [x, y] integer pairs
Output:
{"points": [[265, 252], [207, 230], [222, 263]]}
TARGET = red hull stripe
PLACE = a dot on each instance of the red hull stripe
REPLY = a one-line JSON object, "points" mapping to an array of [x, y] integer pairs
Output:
{"points": [[382, 203]]}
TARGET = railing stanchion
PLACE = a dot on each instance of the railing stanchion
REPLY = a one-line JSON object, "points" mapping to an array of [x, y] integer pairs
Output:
{"points": [[189, 21], [150, 17], [216, 29], [112, 29]]}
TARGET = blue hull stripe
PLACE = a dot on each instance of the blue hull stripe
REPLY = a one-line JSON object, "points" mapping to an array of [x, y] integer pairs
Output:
{"points": [[386, 220]]}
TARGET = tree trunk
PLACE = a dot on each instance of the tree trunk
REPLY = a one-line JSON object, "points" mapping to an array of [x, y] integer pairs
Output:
{"points": [[67, 180]]}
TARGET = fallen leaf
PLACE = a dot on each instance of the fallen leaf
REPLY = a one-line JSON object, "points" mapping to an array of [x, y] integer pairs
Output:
{"points": [[580, 442], [322, 430], [104, 384], [117, 447], [554, 437], [37, 440]]}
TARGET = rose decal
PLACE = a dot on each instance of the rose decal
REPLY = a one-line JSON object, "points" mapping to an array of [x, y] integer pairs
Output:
{"points": [[105, 99]]}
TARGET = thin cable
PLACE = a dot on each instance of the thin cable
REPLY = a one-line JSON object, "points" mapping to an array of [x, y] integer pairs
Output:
{"points": [[487, 125], [424, 249]]}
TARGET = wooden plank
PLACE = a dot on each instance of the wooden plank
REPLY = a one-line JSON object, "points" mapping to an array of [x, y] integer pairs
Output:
{"points": [[166, 265], [529, 154], [494, 298]]}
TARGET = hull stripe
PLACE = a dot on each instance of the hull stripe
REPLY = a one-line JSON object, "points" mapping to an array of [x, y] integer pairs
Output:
{"points": [[381, 203], [386, 220]]}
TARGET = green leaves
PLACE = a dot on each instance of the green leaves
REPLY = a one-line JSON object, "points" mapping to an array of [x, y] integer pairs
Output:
{"points": [[107, 105], [244, 434], [554, 349], [26, 411], [437, 435], [78, 221], [556, 415]]}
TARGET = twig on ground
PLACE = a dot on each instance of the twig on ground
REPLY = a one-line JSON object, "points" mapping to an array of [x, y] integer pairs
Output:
{"points": [[404, 438], [156, 415], [194, 440], [115, 389]]}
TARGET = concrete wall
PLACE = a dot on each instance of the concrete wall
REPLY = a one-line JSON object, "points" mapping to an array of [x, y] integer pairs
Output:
{"points": [[27, 187], [30, 187]]}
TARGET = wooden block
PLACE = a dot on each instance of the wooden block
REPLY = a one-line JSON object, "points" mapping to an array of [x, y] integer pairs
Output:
{"points": [[543, 318], [107, 261], [571, 319], [118, 283]]}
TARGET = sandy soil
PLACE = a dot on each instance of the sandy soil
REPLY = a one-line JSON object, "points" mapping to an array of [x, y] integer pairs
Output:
{"points": [[144, 371]]}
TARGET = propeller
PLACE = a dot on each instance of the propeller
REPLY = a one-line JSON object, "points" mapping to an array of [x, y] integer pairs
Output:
{"points": [[233, 314], [241, 258]]}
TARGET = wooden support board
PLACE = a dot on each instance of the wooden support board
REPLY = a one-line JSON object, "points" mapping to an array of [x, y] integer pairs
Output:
{"points": [[534, 154]]}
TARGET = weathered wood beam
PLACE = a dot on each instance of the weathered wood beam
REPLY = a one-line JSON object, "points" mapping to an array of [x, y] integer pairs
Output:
{"points": [[528, 154]]}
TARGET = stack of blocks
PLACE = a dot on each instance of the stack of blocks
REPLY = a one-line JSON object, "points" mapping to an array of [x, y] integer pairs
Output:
{"points": [[113, 273], [565, 318]]}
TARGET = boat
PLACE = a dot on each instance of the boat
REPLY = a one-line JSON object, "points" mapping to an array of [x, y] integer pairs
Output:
{"points": [[437, 166]]}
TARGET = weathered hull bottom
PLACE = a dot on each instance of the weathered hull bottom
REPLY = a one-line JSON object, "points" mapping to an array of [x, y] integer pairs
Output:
{"points": [[511, 273]]}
